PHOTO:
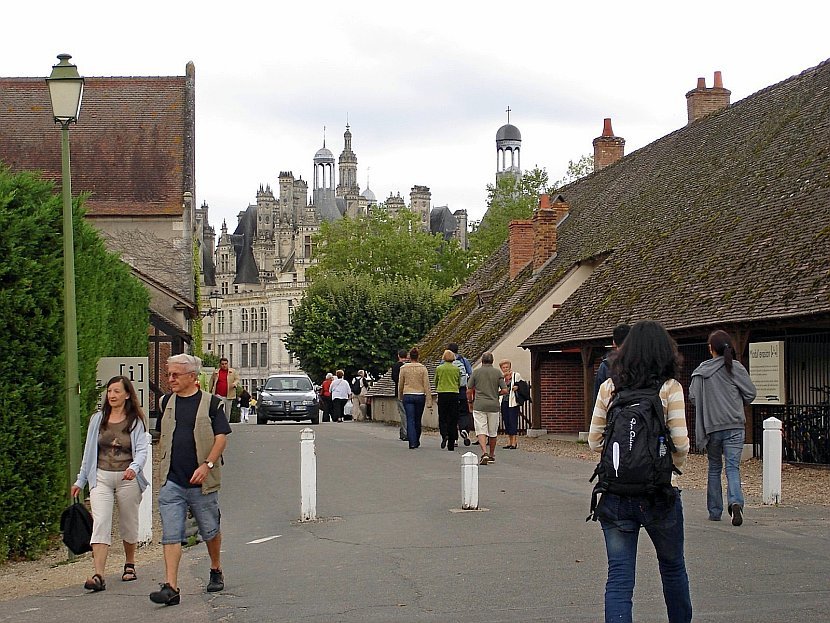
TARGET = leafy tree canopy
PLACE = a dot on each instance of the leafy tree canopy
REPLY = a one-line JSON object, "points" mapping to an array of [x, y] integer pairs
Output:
{"points": [[387, 247], [509, 199], [353, 322]]}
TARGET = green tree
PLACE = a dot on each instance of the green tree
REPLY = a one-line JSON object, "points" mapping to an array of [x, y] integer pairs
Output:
{"points": [[576, 170], [387, 247], [355, 322], [509, 199]]}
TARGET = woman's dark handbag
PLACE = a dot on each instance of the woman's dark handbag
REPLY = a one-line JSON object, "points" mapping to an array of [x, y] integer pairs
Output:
{"points": [[76, 525], [523, 393]]}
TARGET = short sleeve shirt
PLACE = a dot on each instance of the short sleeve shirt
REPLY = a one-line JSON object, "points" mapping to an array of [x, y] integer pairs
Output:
{"points": [[183, 461], [487, 381]]}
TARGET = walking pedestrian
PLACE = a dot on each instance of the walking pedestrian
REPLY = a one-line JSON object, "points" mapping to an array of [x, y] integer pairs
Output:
{"points": [[194, 429], [447, 382], [415, 392], [113, 462], [484, 387], [223, 384], [465, 417], [244, 405], [719, 390], [325, 397], [647, 359], [340, 393], [403, 357]]}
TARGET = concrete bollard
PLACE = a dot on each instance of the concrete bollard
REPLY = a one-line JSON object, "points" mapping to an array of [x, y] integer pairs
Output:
{"points": [[308, 476], [145, 509], [772, 461], [469, 481]]}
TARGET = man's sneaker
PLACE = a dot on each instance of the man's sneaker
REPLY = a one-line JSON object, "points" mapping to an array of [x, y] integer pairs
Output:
{"points": [[217, 581], [484, 460], [737, 514], [492, 459], [166, 595], [464, 434]]}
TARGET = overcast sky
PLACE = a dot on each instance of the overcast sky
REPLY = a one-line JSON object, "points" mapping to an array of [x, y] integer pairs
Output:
{"points": [[424, 84]]}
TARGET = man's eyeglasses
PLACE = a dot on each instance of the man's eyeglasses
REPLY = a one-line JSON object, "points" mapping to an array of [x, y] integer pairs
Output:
{"points": [[175, 375]]}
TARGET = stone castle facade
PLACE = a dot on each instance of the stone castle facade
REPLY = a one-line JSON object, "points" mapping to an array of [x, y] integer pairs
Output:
{"points": [[260, 268]]}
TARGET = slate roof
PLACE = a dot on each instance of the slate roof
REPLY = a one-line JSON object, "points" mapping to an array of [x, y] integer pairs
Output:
{"points": [[724, 220], [132, 148]]}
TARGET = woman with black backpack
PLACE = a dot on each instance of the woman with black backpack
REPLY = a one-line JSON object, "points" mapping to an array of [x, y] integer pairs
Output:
{"points": [[646, 363]]}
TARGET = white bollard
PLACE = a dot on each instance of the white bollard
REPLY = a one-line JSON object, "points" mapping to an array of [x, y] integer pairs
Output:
{"points": [[772, 461], [308, 476], [469, 481], [145, 509]]}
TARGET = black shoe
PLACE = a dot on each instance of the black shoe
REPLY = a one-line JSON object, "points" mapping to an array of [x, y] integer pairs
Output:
{"points": [[466, 441], [217, 581], [443, 442], [464, 434], [166, 595], [737, 514]]}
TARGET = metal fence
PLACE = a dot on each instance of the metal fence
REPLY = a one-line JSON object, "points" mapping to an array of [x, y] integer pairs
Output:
{"points": [[806, 431]]}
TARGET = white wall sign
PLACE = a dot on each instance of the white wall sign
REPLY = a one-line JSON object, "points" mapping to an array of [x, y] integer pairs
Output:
{"points": [[766, 369], [137, 369]]}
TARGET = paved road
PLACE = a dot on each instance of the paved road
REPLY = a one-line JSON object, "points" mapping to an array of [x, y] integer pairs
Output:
{"points": [[391, 546]]}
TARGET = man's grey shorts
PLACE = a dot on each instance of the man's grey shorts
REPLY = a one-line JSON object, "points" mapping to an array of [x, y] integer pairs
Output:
{"points": [[174, 501]]}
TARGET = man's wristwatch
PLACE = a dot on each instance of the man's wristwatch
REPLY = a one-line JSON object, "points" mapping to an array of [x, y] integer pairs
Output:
{"points": [[209, 464]]}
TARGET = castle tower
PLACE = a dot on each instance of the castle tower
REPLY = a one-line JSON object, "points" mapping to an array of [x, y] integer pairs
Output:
{"points": [[508, 150], [419, 202], [323, 189], [348, 168]]}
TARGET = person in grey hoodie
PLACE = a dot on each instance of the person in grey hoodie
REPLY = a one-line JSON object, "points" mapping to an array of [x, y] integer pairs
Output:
{"points": [[719, 390]]}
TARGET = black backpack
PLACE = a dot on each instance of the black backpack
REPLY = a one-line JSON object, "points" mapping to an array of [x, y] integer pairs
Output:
{"points": [[357, 385], [76, 525], [636, 459]]}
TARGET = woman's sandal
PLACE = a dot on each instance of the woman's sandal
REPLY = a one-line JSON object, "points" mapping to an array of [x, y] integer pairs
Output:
{"points": [[129, 573], [95, 583]]}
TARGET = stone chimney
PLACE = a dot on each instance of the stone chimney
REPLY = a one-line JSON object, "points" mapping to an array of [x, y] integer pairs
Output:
{"points": [[607, 148], [521, 245], [701, 101]]}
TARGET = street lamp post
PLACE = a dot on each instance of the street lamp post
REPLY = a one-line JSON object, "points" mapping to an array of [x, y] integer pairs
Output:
{"points": [[66, 88], [215, 298]]}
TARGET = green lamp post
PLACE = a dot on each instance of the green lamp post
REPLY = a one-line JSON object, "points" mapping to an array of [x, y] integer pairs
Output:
{"points": [[66, 87]]}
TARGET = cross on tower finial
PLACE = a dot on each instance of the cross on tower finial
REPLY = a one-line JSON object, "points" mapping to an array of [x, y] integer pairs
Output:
{"points": [[324, 136], [508, 113]]}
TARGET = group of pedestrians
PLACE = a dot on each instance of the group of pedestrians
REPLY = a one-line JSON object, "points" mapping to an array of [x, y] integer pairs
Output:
{"points": [[193, 428], [646, 358], [336, 392]]}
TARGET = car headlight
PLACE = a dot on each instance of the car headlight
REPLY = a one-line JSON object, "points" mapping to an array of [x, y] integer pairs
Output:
{"points": [[267, 402], [308, 402]]}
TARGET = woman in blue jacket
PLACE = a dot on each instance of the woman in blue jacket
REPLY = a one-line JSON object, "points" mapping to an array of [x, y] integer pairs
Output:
{"points": [[114, 455], [719, 390]]}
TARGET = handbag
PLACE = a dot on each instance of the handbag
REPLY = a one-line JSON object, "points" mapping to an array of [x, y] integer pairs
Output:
{"points": [[523, 393], [76, 526]]}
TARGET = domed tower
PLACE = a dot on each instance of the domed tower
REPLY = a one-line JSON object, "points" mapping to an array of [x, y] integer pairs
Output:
{"points": [[508, 150], [348, 168], [323, 189]]}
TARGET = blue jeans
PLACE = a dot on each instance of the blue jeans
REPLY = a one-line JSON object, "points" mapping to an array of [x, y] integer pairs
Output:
{"points": [[414, 405], [174, 500], [728, 444], [621, 519]]}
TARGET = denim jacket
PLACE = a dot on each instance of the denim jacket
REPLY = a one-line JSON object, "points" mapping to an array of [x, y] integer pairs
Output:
{"points": [[89, 464]]}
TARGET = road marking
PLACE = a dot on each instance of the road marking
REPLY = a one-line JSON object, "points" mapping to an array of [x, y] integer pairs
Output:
{"points": [[267, 538]]}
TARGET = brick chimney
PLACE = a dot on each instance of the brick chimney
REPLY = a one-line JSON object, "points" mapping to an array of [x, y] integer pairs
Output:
{"points": [[607, 148], [544, 231], [521, 245], [701, 101]]}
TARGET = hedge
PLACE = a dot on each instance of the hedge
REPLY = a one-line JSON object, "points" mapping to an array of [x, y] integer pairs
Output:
{"points": [[112, 309]]}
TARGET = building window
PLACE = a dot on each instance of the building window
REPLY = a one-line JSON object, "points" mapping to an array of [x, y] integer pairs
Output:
{"points": [[224, 287], [244, 320], [243, 362], [230, 355], [254, 357], [263, 355], [309, 248], [263, 319], [230, 321], [221, 350], [221, 321], [290, 310], [253, 319]]}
